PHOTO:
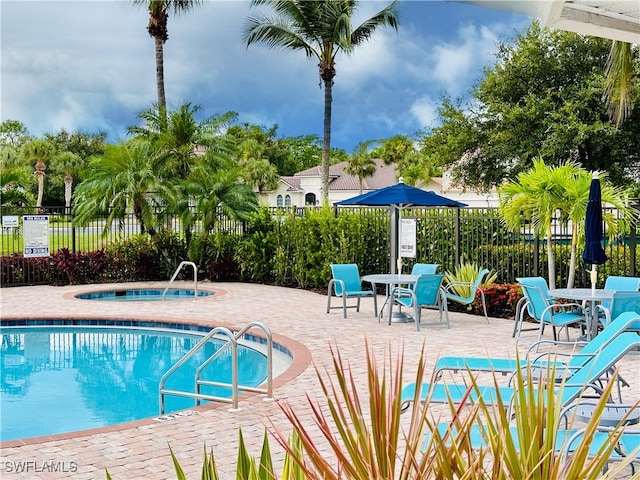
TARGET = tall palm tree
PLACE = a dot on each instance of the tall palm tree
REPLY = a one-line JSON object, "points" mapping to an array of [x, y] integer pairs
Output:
{"points": [[70, 163], [360, 164], [321, 29], [158, 18], [619, 81]]}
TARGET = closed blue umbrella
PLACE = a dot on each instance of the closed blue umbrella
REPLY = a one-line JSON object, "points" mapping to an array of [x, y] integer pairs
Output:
{"points": [[593, 231], [400, 196]]}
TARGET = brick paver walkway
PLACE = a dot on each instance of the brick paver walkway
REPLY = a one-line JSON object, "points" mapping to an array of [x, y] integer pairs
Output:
{"points": [[296, 317]]}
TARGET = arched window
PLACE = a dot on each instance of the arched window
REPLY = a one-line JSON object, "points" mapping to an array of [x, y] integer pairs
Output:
{"points": [[287, 200], [310, 199], [279, 201]]}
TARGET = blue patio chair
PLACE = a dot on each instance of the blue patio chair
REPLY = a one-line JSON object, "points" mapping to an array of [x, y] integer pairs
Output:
{"points": [[585, 377], [449, 291], [623, 322], [622, 301], [546, 312], [346, 283], [424, 268], [426, 293], [539, 282]]}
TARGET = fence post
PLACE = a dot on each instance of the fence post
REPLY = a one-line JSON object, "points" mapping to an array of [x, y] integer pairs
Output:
{"points": [[536, 256], [457, 233], [633, 242]]}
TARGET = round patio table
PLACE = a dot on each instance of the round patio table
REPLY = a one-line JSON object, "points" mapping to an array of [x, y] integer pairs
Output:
{"points": [[589, 297], [391, 280]]}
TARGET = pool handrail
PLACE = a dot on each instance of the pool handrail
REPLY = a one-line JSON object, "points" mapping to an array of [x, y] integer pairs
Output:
{"points": [[175, 274], [232, 342]]}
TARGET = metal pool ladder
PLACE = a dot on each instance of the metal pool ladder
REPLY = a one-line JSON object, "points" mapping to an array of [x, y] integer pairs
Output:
{"points": [[231, 343], [175, 274]]}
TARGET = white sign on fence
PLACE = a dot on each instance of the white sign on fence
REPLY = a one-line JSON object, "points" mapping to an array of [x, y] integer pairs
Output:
{"points": [[408, 237], [35, 229], [10, 221]]}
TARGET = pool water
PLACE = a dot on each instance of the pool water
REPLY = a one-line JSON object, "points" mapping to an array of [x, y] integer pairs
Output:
{"points": [[59, 379], [144, 295]]}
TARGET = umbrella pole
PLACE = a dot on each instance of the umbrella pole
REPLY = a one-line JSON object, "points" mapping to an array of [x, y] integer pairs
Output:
{"points": [[394, 239], [594, 278]]}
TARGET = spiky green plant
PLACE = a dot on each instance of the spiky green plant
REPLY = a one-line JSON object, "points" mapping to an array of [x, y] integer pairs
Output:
{"points": [[464, 276]]}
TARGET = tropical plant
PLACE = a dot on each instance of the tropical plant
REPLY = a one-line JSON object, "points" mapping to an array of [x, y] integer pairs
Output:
{"points": [[157, 27], [71, 164], [541, 192], [180, 137], [40, 152], [464, 276], [619, 81], [215, 188], [321, 29], [123, 179], [360, 164], [363, 437], [12, 191]]}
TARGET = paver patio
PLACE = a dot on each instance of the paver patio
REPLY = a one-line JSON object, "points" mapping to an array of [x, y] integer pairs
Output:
{"points": [[296, 317]]}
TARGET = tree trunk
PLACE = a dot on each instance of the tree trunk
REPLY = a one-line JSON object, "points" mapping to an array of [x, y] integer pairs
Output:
{"points": [[68, 184], [40, 168], [162, 101], [574, 256], [326, 145], [551, 262]]}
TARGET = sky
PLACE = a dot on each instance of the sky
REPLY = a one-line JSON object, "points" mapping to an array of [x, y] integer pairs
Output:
{"points": [[90, 66]]}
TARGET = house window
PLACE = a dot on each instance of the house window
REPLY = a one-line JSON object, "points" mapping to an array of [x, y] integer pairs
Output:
{"points": [[279, 201], [310, 199], [287, 200]]}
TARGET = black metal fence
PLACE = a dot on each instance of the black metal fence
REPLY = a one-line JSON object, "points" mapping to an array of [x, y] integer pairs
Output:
{"points": [[444, 236]]}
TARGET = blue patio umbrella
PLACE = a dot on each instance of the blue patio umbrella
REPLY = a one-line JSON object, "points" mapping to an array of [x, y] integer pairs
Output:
{"points": [[593, 231], [396, 197]]}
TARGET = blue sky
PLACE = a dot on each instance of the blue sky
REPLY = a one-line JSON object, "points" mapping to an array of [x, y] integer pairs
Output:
{"points": [[89, 65]]}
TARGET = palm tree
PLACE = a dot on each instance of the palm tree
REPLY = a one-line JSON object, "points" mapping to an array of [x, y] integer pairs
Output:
{"points": [[215, 188], [541, 193], [157, 28], [321, 29], [40, 152], [71, 164], [619, 81], [360, 164], [123, 179]]}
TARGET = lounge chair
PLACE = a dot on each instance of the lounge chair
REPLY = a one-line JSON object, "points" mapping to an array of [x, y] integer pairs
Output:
{"points": [[581, 379], [346, 283], [473, 287], [426, 293], [547, 312], [508, 365]]}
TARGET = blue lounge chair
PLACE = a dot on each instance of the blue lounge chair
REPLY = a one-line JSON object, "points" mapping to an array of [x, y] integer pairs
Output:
{"points": [[473, 288], [346, 283], [547, 312], [624, 321], [581, 379], [426, 293]]}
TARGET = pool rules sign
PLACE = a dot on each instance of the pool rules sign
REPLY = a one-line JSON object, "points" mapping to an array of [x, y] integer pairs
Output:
{"points": [[35, 230]]}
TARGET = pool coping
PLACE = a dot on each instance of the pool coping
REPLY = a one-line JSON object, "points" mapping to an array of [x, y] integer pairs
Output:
{"points": [[216, 292], [300, 354]]}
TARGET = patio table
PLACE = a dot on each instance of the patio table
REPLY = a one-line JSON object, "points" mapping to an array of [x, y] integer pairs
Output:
{"points": [[589, 297], [391, 280]]}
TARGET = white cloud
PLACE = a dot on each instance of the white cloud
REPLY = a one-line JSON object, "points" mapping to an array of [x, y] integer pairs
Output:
{"points": [[425, 110]]}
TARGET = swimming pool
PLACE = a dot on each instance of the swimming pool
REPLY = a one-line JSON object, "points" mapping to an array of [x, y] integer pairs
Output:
{"points": [[59, 378], [144, 294]]}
